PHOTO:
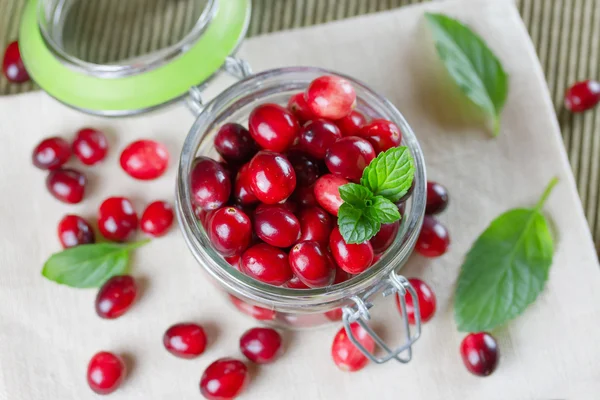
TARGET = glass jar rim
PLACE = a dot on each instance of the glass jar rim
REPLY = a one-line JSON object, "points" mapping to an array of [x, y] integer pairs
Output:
{"points": [[286, 299]]}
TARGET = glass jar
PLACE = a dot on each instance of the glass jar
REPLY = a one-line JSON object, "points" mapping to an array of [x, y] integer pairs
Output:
{"points": [[308, 308]]}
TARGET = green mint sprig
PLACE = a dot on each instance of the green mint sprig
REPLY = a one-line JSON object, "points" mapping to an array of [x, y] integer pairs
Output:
{"points": [[368, 205]]}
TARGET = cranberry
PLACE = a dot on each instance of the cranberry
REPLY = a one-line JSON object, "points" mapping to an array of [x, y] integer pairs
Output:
{"points": [[434, 239], [382, 134], [304, 196], [351, 124], [234, 143], [273, 127], [352, 258], [230, 231], [276, 226], [157, 218], [105, 372], [334, 315], [272, 177], [312, 264], [315, 225], [297, 105], [348, 157], [256, 312], [145, 159], [582, 96], [210, 184], [327, 192], [90, 146], [345, 354], [74, 230], [66, 185], [51, 153], [224, 379], [306, 169], [437, 198], [341, 276], [385, 237], [267, 264], [479, 352], [426, 298], [317, 136], [296, 283], [242, 190], [330, 97], [12, 65], [261, 345], [116, 296], [234, 261], [185, 340], [117, 219]]}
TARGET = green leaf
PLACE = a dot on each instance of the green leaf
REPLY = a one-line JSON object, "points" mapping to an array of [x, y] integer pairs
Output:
{"points": [[505, 270], [356, 195], [390, 174], [471, 64], [89, 265], [355, 226], [383, 210]]}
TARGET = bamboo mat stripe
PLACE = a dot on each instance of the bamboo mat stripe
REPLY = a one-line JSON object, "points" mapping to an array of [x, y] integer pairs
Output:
{"points": [[566, 34]]}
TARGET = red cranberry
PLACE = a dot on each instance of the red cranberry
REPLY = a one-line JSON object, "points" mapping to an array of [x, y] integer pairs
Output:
{"points": [[479, 352], [242, 190], [224, 379], [296, 283], [145, 159], [315, 225], [185, 340], [256, 312], [273, 127], [351, 124], [234, 261], [297, 105], [306, 169], [304, 196], [330, 97], [90, 146], [12, 65], [345, 354], [334, 315], [382, 134], [234, 143], [267, 264], [426, 298], [74, 231], [117, 219], [327, 192], [385, 237], [317, 136], [582, 96], [348, 157], [341, 276], [66, 185], [272, 177], [105, 372], [157, 218], [51, 153], [261, 345], [437, 198], [209, 183], [434, 239], [116, 296], [352, 258], [230, 231], [276, 226], [312, 264]]}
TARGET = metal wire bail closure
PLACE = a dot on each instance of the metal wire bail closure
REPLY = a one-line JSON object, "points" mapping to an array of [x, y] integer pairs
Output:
{"points": [[359, 312]]}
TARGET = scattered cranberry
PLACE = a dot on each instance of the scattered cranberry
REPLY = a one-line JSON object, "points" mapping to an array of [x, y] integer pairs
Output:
{"points": [[582, 96], [234, 143], [74, 231], [256, 312], [317, 136], [273, 127], [272, 177], [230, 231], [306, 169], [90, 146], [327, 192], [312, 264], [479, 353], [345, 354], [276, 226], [330, 97], [210, 184], [351, 124], [297, 105], [66, 185], [261, 345], [426, 299], [116, 296], [352, 258], [224, 379], [51, 153], [385, 237], [382, 134], [12, 65], [304, 196], [145, 159], [296, 283], [267, 264], [434, 239], [105, 372], [315, 225], [437, 198], [242, 189], [117, 219], [157, 218], [185, 340], [348, 157]]}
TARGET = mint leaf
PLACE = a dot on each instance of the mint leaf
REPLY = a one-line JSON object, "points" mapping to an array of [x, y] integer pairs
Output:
{"points": [[383, 210], [471, 64], [89, 265], [356, 226], [356, 195], [505, 270], [390, 174]]}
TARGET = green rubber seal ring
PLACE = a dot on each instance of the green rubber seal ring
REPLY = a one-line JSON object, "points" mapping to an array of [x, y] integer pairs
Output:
{"points": [[135, 93]]}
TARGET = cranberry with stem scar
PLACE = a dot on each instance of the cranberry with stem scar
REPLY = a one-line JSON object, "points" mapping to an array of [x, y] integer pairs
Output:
{"points": [[427, 301], [273, 127], [382, 134], [234, 143], [330, 97], [117, 219], [317, 136], [90, 146], [66, 185], [272, 177], [312, 264], [351, 124], [267, 264], [230, 231], [582, 96], [261, 345], [145, 159], [345, 354], [74, 231], [434, 239], [276, 226], [479, 352], [105, 372], [209, 183], [437, 198], [352, 258], [348, 157], [327, 192], [157, 218], [185, 340], [51, 153], [116, 296]]}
